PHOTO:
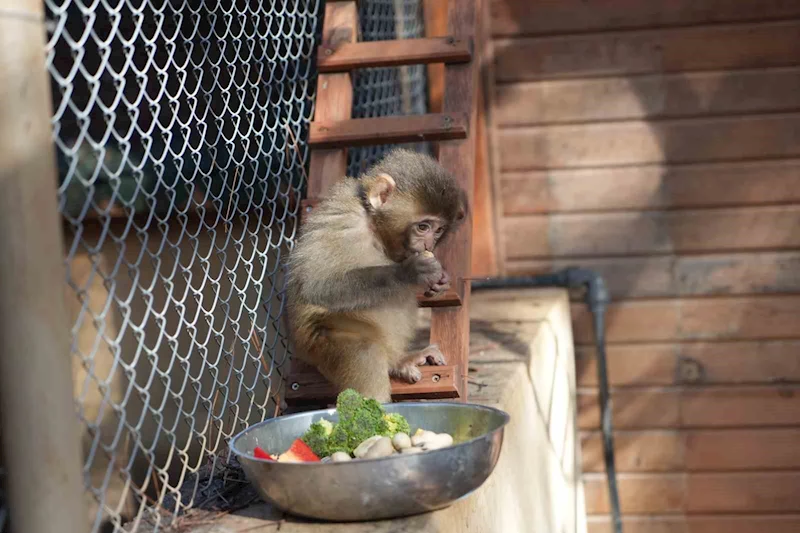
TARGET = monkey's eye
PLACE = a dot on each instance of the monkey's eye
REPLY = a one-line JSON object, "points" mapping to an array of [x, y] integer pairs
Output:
{"points": [[440, 231], [424, 227]]}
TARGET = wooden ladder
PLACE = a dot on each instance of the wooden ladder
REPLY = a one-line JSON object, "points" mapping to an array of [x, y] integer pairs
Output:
{"points": [[333, 130]]}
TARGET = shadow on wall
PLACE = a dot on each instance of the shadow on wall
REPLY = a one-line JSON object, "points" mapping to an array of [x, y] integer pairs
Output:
{"points": [[177, 346], [611, 109]]}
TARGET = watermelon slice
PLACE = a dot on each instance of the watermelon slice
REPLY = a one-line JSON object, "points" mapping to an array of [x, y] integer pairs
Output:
{"points": [[298, 452]]}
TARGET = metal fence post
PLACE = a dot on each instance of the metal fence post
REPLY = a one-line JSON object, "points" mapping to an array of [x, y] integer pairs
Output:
{"points": [[40, 439]]}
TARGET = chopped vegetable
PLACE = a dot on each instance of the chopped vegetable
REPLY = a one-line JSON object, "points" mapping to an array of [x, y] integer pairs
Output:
{"points": [[298, 452], [261, 454], [317, 437], [360, 419], [395, 423]]}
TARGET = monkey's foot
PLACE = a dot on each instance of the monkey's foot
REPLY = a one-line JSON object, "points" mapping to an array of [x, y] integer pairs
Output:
{"points": [[408, 372], [431, 355]]}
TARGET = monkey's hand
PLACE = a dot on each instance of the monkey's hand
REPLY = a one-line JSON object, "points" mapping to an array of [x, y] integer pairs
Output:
{"points": [[439, 287], [423, 269]]}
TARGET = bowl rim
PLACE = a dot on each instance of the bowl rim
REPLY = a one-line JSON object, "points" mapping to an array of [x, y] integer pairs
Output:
{"points": [[505, 418]]}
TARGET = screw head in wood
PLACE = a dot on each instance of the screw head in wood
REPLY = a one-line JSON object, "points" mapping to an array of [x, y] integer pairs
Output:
{"points": [[435, 378], [295, 386]]}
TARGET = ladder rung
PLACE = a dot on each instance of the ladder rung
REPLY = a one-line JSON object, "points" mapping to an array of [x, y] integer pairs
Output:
{"points": [[450, 298], [438, 382], [349, 56], [388, 130]]}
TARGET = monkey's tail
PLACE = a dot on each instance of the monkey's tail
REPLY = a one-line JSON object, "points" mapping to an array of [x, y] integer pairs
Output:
{"points": [[597, 299]]}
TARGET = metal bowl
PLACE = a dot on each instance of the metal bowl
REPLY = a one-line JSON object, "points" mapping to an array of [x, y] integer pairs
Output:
{"points": [[372, 489]]}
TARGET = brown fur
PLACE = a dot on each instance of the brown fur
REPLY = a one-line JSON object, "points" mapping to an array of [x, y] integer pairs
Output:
{"points": [[355, 270]]}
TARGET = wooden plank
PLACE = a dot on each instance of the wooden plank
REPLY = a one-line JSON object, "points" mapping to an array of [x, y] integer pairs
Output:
{"points": [[387, 130], [653, 232], [655, 493], [517, 17], [694, 319], [742, 449], [692, 275], [350, 56], [450, 327], [772, 44], [450, 298], [636, 451], [334, 99], [768, 492], [696, 450], [728, 407], [640, 143], [648, 187], [484, 247], [734, 523], [708, 363], [435, 14], [438, 382], [648, 97]]}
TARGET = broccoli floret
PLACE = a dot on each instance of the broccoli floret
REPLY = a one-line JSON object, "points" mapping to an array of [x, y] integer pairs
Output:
{"points": [[347, 403], [337, 442], [317, 437], [359, 419], [365, 422], [396, 423]]}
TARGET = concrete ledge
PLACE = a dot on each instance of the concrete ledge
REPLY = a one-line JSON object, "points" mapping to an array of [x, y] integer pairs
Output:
{"points": [[522, 362]]}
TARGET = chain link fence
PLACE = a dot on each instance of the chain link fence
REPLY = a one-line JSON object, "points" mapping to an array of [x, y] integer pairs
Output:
{"points": [[380, 92], [180, 130]]}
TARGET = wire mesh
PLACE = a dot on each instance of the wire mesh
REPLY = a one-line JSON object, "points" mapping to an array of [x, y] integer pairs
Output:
{"points": [[180, 129], [177, 126], [380, 92]]}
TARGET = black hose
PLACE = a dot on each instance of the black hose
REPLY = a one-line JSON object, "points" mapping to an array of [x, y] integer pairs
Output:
{"points": [[597, 299]]}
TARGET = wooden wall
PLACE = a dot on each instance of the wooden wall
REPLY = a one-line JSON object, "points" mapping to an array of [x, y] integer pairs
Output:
{"points": [[658, 141]]}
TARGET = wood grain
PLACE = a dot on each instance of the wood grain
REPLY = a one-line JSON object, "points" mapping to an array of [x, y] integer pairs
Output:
{"points": [[648, 97], [725, 407], [387, 130], [438, 382], [694, 319], [701, 140], [717, 523], [655, 493], [650, 187], [692, 275], [484, 245], [334, 98], [515, 17], [345, 57], [696, 450], [691, 363], [435, 14], [772, 44], [450, 326], [652, 232], [772, 492]]}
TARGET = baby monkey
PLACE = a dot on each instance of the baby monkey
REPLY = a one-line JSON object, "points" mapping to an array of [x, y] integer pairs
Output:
{"points": [[355, 270]]}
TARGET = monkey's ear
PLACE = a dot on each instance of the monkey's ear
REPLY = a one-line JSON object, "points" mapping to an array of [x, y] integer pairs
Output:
{"points": [[380, 189]]}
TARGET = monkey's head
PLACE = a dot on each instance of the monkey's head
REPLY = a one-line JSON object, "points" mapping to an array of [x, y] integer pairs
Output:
{"points": [[413, 202]]}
